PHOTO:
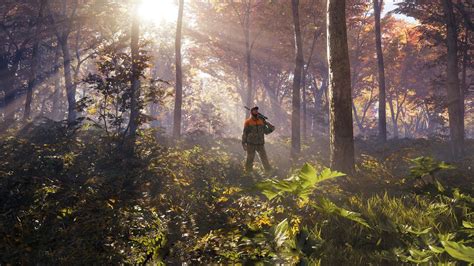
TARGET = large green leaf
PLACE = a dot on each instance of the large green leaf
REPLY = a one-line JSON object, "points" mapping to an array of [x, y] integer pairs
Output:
{"points": [[459, 251], [417, 232], [330, 207], [281, 234], [301, 184], [311, 178], [436, 249], [267, 189], [419, 256], [308, 175], [286, 185], [328, 174], [468, 224]]}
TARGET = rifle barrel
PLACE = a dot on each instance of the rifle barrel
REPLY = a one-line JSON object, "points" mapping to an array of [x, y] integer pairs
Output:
{"points": [[259, 114]]}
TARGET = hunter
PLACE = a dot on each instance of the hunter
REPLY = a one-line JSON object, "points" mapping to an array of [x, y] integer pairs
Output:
{"points": [[253, 139]]}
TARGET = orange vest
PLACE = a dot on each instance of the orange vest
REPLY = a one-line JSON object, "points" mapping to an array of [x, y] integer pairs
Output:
{"points": [[254, 131]]}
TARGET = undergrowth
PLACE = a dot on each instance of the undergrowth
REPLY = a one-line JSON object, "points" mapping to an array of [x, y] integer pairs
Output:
{"points": [[76, 195]]}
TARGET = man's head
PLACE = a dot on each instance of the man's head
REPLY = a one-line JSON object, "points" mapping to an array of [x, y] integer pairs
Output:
{"points": [[254, 111]]}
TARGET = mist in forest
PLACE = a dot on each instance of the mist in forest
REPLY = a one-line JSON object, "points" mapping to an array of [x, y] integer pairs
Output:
{"points": [[236, 131]]}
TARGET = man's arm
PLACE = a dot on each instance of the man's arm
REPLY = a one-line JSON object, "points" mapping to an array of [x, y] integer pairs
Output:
{"points": [[269, 128], [244, 137]]}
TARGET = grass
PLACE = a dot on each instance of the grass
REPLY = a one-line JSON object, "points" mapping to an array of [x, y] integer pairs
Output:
{"points": [[74, 195]]}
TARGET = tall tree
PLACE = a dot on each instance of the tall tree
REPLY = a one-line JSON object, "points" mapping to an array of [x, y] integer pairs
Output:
{"points": [[381, 72], [34, 62], [456, 119], [248, 50], [17, 27], [340, 100], [303, 82], [179, 74], [135, 75], [295, 115], [63, 28]]}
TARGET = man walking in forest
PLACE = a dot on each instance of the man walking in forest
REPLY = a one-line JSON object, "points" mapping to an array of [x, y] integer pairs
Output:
{"points": [[253, 139]]}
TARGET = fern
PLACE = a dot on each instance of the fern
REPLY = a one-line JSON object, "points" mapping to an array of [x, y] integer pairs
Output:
{"points": [[301, 185]]}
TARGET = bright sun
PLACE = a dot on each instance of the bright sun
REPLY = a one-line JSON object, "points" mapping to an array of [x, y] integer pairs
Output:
{"points": [[158, 11]]}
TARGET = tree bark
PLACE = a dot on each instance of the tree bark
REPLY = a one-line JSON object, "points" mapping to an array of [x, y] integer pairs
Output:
{"points": [[465, 59], [179, 74], [381, 73], [340, 100], [8, 70], [248, 55], [63, 41], [134, 78], [394, 118], [295, 116], [456, 119], [303, 85], [70, 88], [34, 63], [31, 82], [57, 94]]}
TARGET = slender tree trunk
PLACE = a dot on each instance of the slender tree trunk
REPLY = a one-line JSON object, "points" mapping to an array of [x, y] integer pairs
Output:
{"points": [[393, 115], [8, 79], [320, 103], [135, 78], [456, 119], [357, 119], [304, 118], [34, 63], [381, 72], [248, 56], [340, 99], [465, 58], [31, 82], [57, 86], [179, 74], [303, 85], [10, 92], [70, 88], [295, 116]]}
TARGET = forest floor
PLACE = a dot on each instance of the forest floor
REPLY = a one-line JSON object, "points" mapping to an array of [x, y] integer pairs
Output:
{"points": [[76, 195]]}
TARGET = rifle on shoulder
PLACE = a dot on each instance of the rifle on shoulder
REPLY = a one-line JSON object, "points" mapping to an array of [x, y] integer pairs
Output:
{"points": [[259, 115]]}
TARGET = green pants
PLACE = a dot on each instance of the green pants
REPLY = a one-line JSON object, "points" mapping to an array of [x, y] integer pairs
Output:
{"points": [[251, 149]]}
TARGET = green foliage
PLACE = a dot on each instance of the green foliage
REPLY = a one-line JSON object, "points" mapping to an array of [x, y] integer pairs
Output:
{"points": [[110, 101], [300, 185], [68, 200], [329, 207], [72, 194], [427, 167], [458, 250]]}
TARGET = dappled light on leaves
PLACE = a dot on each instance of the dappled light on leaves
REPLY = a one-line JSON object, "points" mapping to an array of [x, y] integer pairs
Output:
{"points": [[132, 132]]}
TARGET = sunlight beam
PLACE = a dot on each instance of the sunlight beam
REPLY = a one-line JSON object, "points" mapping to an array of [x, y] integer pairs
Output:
{"points": [[158, 11]]}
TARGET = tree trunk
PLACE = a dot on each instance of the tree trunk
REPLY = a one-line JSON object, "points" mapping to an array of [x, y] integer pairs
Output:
{"points": [[465, 59], [303, 85], [340, 99], [295, 116], [304, 109], [31, 81], [248, 56], [135, 78], [357, 119], [179, 74], [394, 117], [57, 87], [34, 64], [70, 87], [381, 72], [8, 72], [456, 119]]}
